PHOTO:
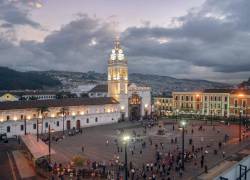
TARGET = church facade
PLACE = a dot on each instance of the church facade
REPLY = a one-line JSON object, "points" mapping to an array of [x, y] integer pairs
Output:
{"points": [[134, 99], [117, 100]]}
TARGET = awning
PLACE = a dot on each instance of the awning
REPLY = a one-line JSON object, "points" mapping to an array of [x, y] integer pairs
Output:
{"points": [[37, 149]]}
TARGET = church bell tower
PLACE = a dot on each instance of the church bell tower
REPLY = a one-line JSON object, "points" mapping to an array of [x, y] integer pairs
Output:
{"points": [[118, 78]]}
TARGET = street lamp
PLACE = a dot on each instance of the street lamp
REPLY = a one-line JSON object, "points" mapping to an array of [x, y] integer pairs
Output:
{"points": [[126, 139], [183, 125], [240, 112]]}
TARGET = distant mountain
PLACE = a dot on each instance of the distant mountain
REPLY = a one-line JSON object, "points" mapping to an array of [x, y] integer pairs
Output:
{"points": [[158, 83], [15, 80], [245, 84]]}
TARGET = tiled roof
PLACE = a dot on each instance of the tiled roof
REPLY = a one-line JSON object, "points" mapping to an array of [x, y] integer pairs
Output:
{"points": [[217, 91], [100, 88], [23, 93], [56, 103]]}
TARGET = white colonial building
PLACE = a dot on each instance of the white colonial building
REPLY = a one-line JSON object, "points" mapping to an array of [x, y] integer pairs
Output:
{"points": [[109, 103]]}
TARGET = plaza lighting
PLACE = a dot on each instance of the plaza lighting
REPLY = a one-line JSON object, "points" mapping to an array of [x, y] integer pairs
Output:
{"points": [[146, 105], [28, 117], [183, 125], [15, 118], [126, 139], [82, 113], [122, 108]]}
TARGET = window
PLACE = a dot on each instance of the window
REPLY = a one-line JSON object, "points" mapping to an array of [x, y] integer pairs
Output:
{"points": [[205, 98], [244, 103], [8, 129], [235, 103], [226, 98], [8, 118], [225, 106], [57, 123], [34, 126], [46, 125], [21, 116], [87, 120], [21, 127], [34, 115], [112, 119], [96, 119]]}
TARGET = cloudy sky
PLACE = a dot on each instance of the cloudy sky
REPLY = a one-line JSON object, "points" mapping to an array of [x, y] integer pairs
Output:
{"points": [[198, 39]]}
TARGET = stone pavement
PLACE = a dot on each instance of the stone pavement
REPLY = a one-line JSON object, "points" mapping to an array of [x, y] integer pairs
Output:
{"points": [[94, 141]]}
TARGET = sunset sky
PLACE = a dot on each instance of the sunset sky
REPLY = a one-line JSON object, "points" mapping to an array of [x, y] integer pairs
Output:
{"points": [[198, 39]]}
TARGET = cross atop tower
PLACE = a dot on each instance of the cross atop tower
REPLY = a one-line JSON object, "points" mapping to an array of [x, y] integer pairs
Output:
{"points": [[117, 42]]}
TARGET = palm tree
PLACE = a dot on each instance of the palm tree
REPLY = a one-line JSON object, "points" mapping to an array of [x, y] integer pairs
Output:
{"points": [[64, 111], [41, 110]]}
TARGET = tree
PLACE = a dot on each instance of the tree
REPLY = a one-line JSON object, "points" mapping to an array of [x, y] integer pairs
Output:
{"points": [[41, 111], [64, 111], [78, 161]]}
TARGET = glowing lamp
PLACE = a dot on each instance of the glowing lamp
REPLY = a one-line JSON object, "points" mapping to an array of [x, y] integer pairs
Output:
{"points": [[183, 123], [241, 95], [126, 138]]}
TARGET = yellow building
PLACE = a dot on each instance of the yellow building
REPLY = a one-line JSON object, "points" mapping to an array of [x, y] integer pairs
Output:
{"points": [[187, 102], [8, 97], [163, 105]]}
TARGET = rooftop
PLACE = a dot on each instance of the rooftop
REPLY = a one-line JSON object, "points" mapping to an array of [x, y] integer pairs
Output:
{"points": [[100, 88], [56, 103]]}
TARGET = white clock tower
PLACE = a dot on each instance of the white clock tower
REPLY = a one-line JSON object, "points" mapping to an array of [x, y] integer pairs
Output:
{"points": [[118, 78]]}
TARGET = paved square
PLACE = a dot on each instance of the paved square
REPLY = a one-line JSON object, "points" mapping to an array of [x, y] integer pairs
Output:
{"points": [[94, 140]]}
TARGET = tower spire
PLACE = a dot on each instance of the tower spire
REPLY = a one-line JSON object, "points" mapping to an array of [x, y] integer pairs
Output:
{"points": [[117, 42]]}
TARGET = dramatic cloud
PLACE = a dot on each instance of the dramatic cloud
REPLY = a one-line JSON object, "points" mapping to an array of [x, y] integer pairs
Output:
{"points": [[82, 45], [15, 13], [210, 42]]}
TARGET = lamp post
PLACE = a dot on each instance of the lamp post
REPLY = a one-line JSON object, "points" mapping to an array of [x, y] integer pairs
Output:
{"points": [[240, 120], [183, 124], [49, 145], [37, 131], [126, 138], [25, 125]]}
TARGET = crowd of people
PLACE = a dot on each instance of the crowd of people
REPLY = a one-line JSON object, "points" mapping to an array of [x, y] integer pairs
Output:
{"points": [[166, 164]]}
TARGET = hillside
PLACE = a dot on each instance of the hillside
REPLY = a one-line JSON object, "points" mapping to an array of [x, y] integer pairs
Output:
{"points": [[158, 83], [15, 80]]}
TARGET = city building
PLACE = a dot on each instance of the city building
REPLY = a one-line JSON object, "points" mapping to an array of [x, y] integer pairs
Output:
{"points": [[215, 102], [240, 103], [27, 95], [163, 105], [118, 100], [77, 112], [7, 96], [99, 91], [187, 102]]}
